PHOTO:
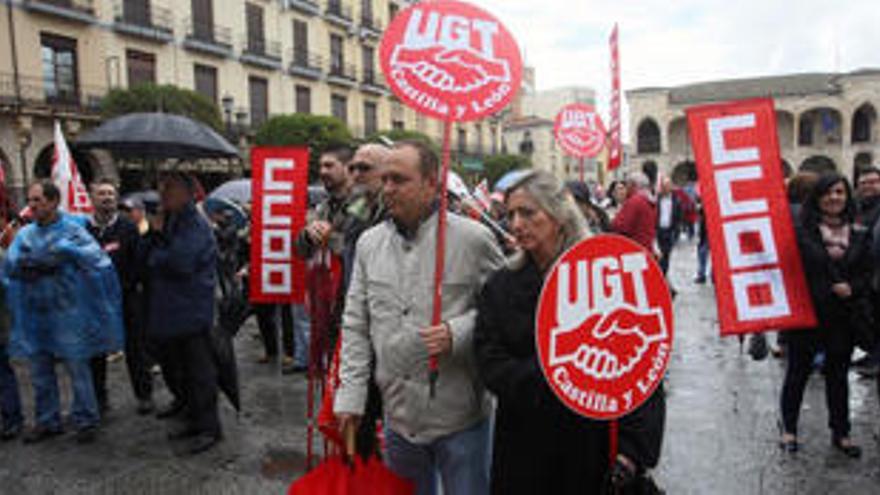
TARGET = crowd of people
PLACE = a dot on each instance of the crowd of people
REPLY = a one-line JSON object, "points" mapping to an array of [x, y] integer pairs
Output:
{"points": [[78, 289]]}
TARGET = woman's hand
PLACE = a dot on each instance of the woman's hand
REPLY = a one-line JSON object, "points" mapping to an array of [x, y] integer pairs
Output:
{"points": [[842, 290]]}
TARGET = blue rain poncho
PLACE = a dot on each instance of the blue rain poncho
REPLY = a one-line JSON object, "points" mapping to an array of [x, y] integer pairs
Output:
{"points": [[63, 293]]}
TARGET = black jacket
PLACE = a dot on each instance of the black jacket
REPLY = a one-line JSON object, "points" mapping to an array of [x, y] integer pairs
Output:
{"points": [[120, 241], [821, 272], [540, 446]]}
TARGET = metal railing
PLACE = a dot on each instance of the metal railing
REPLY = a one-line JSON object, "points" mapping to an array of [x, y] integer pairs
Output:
{"points": [[307, 6], [305, 59], [337, 8], [208, 33], [344, 71], [33, 91], [261, 47], [371, 23], [145, 15], [372, 77], [83, 6]]}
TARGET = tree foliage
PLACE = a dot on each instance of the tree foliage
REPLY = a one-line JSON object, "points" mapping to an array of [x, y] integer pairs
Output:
{"points": [[318, 132], [403, 135], [165, 98], [497, 165]]}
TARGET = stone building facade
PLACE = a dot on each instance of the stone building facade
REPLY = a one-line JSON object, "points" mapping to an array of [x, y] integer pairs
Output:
{"points": [[824, 121]]}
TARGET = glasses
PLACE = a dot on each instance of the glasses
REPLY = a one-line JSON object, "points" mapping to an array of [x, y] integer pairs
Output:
{"points": [[360, 167]]}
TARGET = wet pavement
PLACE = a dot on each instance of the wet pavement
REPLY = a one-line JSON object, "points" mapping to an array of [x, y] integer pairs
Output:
{"points": [[721, 435]]}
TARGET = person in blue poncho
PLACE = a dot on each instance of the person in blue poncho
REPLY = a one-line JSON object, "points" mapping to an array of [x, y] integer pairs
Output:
{"points": [[66, 306]]}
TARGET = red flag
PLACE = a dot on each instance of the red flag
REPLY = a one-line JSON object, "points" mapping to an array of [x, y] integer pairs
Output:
{"points": [[759, 280], [280, 180], [74, 195], [615, 151]]}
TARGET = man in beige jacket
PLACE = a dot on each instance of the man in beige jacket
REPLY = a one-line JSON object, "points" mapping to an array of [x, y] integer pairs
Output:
{"points": [[387, 323]]}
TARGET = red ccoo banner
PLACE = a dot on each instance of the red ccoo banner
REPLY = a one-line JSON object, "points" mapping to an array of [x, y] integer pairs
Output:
{"points": [[759, 280], [615, 148], [278, 212]]}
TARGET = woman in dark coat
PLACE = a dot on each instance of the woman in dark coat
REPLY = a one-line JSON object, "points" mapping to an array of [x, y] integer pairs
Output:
{"points": [[836, 255], [540, 446]]}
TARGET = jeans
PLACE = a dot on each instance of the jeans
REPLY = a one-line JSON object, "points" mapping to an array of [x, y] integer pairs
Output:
{"points": [[83, 411], [666, 241], [461, 459], [702, 260], [301, 332], [10, 402]]}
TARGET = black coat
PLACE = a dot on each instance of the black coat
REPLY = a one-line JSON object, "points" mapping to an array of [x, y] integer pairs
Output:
{"points": [[120, 241], [540, 446], [855, 268]]}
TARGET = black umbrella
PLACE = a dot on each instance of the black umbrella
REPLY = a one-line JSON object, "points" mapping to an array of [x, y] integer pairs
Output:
{"points": [[157, 136]]}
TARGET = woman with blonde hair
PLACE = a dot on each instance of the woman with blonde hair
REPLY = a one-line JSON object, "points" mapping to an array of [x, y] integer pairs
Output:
{"points": [[540, 446]]}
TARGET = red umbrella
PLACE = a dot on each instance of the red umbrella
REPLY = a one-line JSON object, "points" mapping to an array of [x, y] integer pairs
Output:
{"points": [[335, 476]]}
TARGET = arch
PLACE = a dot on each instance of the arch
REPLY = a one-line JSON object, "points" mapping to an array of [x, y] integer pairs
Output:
{"points": [[785, 129], [863, 160], [820, 126], [648, 136], [819, 164], [86, 163], [684, 173], [864, 121]]}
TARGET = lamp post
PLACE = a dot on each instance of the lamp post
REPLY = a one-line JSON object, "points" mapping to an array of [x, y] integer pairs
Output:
{"points": [[228, 103]]}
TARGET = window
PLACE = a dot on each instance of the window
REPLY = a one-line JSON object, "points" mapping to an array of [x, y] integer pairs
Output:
{"points": [[256, 39], [371, 121], [59, 67], [339, 107], [368, 56], [397, 125], [805, 131], [141, 67], [300, 43], [303, 99], [367, 11], [206, 81], [137, 12], [462, 141], [203, 19], [259, 91], [648, 137], [478, 129], [393, 9], [337, 54]]}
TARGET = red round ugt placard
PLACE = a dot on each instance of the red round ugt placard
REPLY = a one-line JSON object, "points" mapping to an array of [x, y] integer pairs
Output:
{"points": [[604, 327], [579, 130], [451, 60]]}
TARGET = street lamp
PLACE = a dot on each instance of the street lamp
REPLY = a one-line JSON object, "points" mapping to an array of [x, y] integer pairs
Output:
{"points": [[228, 103]]}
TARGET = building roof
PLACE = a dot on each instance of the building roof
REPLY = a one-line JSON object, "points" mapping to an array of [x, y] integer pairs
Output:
{"points": [[773, 86], [527, 123]]}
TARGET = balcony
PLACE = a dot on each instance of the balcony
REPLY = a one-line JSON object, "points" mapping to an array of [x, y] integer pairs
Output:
{"points": [[309, 7], [143, 20], [34, 96], [373, 82], [338, 13], [208, 38], [371, 27], [341, 74], [72, 10], [305, 64], [261, 53]]}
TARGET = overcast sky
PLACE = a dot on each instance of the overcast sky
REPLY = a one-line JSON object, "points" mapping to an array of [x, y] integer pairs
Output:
{"points": [[673, 42]]}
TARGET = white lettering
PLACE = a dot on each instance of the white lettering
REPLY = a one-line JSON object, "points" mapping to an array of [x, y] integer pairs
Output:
{"points": [[731, 207], [721, 154], [776, 307], [733, 232], [270, 182]]}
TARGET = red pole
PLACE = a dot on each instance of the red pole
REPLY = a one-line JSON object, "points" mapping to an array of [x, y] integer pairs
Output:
{"points": [[440, 257], [582, 169]]}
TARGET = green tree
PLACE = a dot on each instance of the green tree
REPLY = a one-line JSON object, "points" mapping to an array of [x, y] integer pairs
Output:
{"points": [[165, 98], [318, 132], [498, 165]]}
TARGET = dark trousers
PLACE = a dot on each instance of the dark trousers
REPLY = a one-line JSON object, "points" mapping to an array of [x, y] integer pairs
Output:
{"points": [[665, 241], [194, 372], [136, 358], [267, 321], [802, 347], [10, 401]]}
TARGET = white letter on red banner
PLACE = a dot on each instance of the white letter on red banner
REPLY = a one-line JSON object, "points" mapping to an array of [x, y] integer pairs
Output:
{"points": [[280, 198], [759, 280]]}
